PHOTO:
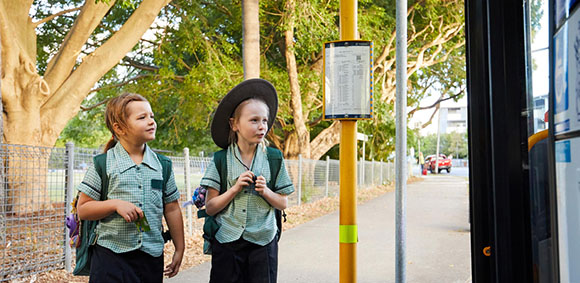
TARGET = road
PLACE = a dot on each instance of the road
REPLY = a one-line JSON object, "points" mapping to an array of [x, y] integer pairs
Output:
{"points": [[455, 171]]}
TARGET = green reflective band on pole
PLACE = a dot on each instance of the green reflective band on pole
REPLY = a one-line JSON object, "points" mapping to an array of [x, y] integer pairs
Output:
{"points": [[348, 234]]}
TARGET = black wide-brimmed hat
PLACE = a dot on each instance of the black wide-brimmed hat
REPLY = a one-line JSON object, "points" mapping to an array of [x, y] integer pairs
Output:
{"points": [[252, 88]]}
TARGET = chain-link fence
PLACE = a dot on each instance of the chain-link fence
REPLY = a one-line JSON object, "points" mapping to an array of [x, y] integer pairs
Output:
{"points": [[39, 183], [459, 162]]}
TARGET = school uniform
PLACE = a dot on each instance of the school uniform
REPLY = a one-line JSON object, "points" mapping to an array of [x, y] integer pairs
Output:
{"points": [[123, 253], [245, 248]]}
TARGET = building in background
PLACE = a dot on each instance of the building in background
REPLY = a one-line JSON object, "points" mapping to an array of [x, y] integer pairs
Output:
{"points": [[453, 119]]}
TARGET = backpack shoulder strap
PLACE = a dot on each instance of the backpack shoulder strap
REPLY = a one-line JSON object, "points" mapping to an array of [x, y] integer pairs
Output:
{"points": [[220, 160], [275, 161], [166, 165], [100, 162]]}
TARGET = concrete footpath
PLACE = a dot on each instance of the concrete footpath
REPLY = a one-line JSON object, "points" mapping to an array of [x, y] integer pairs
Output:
{"points": [[437, 241]]}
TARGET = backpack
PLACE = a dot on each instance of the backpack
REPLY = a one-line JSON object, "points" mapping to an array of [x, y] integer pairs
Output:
{"points": [[210, 226], [86, 237]]}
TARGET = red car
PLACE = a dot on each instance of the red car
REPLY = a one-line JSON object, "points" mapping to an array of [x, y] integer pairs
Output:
{"points": [[444, 163]]}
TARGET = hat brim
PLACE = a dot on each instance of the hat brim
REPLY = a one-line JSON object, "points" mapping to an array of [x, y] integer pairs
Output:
{"points": [[252, 88]]}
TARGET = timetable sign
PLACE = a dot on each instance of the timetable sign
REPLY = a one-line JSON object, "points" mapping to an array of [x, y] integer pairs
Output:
{"points": [[348, 75]]}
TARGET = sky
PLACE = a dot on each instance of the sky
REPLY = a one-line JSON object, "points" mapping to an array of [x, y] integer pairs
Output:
{"points": [[540, 75]]}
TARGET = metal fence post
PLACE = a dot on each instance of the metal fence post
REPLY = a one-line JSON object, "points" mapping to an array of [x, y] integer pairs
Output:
{"points": [[188, 191], [69, 179], [361, 176], [327, 174], [299, 179], [381, 165], [373, 172]]}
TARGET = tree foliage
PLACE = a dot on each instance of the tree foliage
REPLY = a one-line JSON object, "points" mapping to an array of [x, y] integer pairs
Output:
{"points": [[53, 53], [449, 144], [196, 57]]}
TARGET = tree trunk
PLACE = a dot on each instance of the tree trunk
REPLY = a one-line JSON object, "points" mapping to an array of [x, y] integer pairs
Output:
{"points": [[291, 148], [251, 38], [36, 109], [2, 192], [324, 141], [298, 141], [27, 177], [303, 135]]}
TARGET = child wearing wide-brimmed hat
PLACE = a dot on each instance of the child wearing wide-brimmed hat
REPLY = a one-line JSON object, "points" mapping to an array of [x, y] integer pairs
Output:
{"points": [[245, 247]]}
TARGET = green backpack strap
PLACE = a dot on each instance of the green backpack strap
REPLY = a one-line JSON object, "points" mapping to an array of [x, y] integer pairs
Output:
{"points": [[166, 165], [210, 227], [100, 162], [275, 160], [87, 235], [221, 164]]}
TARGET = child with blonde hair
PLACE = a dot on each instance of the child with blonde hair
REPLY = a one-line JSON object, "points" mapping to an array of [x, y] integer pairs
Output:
{"points": [[245, 247], [137, 194]]}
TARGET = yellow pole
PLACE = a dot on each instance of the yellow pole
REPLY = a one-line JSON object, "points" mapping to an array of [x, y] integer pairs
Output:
{"points": [[348, 234], [348, 228]]}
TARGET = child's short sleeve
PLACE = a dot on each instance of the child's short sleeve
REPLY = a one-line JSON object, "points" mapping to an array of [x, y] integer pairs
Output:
{"points": [[171, 192], [211, 178], [284, 184], [91, 184]]}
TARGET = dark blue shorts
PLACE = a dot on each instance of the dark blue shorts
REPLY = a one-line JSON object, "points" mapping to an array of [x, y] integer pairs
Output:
{"points": [[241, 261], [133, 266]]}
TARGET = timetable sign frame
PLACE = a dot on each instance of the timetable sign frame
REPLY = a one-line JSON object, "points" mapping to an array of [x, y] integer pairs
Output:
{"points": [[348, 80]]}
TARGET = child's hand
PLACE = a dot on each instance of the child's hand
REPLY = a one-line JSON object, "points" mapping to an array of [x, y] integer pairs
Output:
{"points": [[128, 211], [261, 186], [245, 179], [173, 268]]}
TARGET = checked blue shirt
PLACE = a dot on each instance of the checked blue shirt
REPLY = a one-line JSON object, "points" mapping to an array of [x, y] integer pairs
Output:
{"points": [[138, 184], [248, 215]]}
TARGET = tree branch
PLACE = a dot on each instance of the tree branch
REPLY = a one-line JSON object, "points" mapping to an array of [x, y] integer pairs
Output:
{"points": [[387, 49], [222, 8], [431, 118], [324, 141], [77, 85], [441, 99], [60, 66], [140, 65], [119, 84], [315, 122], [275, 140], [95, 105], [49, 18]]}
